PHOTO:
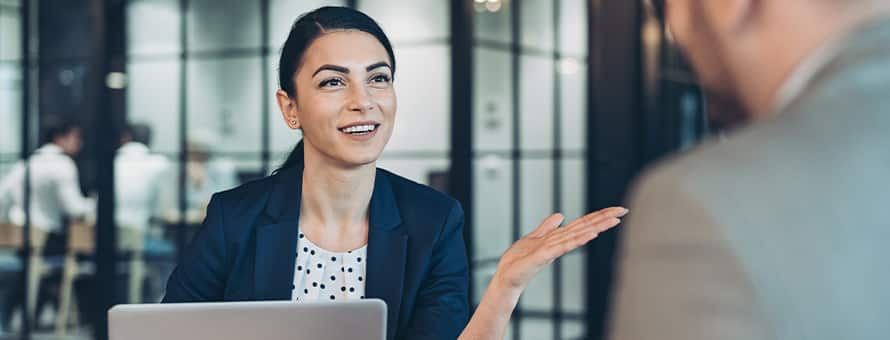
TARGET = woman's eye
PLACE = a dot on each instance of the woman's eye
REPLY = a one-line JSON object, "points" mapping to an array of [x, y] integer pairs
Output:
{"points": [[331, 83], [381, 78]]}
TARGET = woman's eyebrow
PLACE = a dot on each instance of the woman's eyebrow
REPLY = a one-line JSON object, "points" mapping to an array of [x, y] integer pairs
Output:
{"points": [[378, 65], [329, 67], [345, 70]]}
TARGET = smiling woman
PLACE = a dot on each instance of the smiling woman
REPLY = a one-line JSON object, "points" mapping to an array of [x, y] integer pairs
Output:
{"points": [[344, 82], [329, 225], [326, 81]]}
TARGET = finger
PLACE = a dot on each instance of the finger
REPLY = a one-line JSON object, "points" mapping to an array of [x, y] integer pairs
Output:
{"points": [[557, 248], [616, 212], [595, 221], [598, 221], [608, 224], [595, 218], [549, 223], [587, 232]]}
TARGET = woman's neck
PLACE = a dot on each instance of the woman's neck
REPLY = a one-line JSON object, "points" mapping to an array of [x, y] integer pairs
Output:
{"points": [[335, 201]]}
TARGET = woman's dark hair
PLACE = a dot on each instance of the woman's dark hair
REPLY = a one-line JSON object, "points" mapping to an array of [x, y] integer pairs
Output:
{"points": [[304, 31]]}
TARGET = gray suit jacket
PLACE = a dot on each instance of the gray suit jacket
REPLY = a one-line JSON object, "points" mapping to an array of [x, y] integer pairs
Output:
{"points": [[780, 232]]}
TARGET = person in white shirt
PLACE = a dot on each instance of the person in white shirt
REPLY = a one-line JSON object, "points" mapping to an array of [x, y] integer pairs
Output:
{"points": [[55, 195], [206, 172], [55, 187], [138, 176]]}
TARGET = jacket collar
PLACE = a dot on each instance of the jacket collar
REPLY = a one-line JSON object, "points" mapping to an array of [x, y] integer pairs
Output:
{"points": [[284, 201], [846, 53], [276, 240]]}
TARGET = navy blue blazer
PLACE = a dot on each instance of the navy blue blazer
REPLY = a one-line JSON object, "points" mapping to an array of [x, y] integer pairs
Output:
{"points": [[417, 260]]}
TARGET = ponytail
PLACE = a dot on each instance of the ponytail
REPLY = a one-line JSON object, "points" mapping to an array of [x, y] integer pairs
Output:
{"points": [[294, 159]]}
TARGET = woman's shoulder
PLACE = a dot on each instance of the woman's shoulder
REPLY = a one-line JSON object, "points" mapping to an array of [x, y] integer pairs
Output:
{"points": [[420, 201], [407, 187], [248, 195]]}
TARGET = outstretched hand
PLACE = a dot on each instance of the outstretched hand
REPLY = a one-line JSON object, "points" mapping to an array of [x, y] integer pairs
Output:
{"points": [[528, 256], [525, 259]]}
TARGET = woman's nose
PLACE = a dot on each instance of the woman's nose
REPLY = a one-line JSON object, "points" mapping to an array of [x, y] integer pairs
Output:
{"points": [[360, 99]]}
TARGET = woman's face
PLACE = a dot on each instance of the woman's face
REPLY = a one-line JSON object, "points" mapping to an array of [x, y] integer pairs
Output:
{"points": [[345, 103]]}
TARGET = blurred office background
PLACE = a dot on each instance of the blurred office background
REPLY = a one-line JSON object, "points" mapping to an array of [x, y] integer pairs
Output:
{"points": [[518, 108]]}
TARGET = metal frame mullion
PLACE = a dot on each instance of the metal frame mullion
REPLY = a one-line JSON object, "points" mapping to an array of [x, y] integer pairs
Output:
{"points": [[557, 166], [24, 154], [265, 132], [461, 152], [183, 128], [515, 51]]}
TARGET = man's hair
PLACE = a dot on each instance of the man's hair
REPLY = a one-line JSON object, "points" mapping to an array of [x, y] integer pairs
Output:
{"points": [[658, 6], [138, 132], [56, 126]]}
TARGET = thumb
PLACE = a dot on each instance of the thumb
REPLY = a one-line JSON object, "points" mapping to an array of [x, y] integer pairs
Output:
{"points": [[550, 223]]}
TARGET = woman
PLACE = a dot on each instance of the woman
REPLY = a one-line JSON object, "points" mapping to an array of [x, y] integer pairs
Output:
{"points": [[329, 225]]}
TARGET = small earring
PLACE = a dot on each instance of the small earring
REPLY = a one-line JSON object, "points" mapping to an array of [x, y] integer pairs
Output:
{"points": [[293, 122]]}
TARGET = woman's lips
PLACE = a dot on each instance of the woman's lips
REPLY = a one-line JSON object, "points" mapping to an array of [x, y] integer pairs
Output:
{"points": [[360, 132]]}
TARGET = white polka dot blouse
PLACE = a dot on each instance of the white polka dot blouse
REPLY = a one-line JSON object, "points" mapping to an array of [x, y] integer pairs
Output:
{"points": [[321, 275]]}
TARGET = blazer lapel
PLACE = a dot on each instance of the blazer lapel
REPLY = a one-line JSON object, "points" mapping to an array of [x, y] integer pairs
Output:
{"points": [[276, 241], [387, 251]]}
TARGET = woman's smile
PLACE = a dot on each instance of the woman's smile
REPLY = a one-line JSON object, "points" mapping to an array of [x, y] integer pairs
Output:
{"points": [[360, 131]]}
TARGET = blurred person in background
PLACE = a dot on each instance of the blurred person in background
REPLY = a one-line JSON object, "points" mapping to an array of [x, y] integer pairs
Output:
{"points": [[779, 231], [55, 187], [206, 173], [138, 178], [55, 198]]}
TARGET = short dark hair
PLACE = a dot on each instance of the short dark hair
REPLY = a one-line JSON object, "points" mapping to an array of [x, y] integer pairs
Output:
{"points": [[138, 132], [57, 126], [658, 6]]}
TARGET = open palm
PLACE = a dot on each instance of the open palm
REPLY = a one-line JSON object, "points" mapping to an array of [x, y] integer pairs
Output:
{"points": [[525, 259], [528, 256]]}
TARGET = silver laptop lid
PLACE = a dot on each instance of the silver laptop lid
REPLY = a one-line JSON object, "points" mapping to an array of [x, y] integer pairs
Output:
{"points": [[272, 320]]}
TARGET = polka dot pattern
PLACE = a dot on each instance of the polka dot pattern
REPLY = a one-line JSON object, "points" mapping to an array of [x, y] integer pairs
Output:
{"points": [[335, 276]]}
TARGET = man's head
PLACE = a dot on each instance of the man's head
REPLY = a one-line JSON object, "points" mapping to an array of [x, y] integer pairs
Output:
{"points": [[64, 133], [136, 132], [743, 50]]}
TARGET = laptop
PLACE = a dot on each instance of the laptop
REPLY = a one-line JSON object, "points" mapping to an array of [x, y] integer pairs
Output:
{"points": [[269, 320]]}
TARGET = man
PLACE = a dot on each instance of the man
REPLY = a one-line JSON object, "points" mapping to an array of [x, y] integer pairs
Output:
{"points": [[206, 173], [138, 178], [55, 188], [779, 231], [55, 196]]}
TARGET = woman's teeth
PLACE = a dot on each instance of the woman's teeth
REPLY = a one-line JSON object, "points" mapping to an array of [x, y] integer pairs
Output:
{"points": [[358, 129]]}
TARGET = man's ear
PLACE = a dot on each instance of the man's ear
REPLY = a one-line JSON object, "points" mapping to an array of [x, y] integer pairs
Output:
{"points": [[740, 13], [730, 17]]}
